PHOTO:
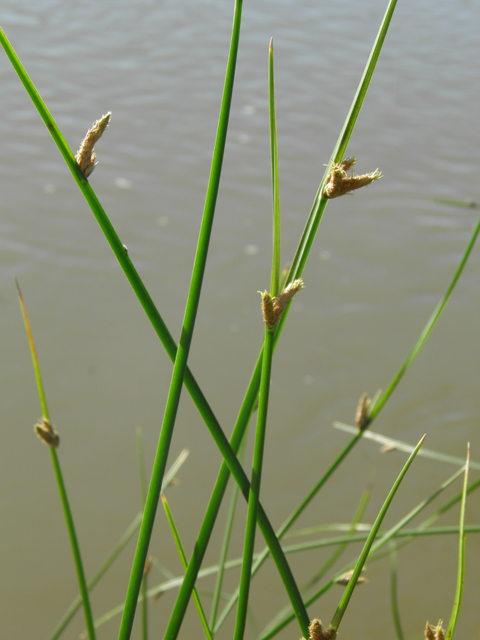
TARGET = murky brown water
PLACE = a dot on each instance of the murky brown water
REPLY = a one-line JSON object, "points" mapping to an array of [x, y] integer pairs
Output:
{"points": [[381, 261]]}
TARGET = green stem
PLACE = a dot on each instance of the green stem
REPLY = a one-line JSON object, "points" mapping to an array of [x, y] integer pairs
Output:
{"points": [[254, 495], [183, 558], [225, 545], [77, 557], [394, 592], [82, 583], [185, 340], [461, 555]]}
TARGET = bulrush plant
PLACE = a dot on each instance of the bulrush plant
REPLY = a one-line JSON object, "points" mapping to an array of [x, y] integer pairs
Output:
{"points": [[276, 304]]}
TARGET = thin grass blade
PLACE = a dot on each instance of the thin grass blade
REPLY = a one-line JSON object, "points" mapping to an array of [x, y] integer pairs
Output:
{"points": [[183, 558], [427, 330], [254, 494], [143, 496], [274, 288], [225, 545], [399, 445], [342, 607], [339, 150], [342, 545], [77, 556], [394, 592], [461, 555]]}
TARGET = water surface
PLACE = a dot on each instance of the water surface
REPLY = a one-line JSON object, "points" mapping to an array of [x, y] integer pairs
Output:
{"points": [[380, 263]]}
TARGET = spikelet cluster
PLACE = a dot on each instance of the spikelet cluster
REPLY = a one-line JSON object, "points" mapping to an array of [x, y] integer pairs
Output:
{"points": [[317, 632], [86, 155], [362, 418], [45, 432], [273, 307], [338, 182], [435, 633]]}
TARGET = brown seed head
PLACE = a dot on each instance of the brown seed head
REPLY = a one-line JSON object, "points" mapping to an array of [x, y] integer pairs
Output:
{"points": [[315, 629], [273, 308], [433, 632], [45, 432], [361, 416], [86, 154], [338, 182]]}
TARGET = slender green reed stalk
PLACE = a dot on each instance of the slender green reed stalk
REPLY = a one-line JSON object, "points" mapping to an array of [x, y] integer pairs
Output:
{"points": [[49, 436], [254, 495], [275, 282], [394, 591], [143, 495], [461, 555], [183, 558], [343, 545], [222, 562], [181, 357], [258, 454], [352, 583]]}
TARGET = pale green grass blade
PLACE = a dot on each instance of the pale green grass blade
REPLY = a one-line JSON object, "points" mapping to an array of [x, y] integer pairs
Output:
{"points": [[403, 446], [461, 556], [464, 204], [342, 607]]}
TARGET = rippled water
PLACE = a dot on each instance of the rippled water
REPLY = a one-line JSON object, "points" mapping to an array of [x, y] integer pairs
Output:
{"points": [[380, 263]]}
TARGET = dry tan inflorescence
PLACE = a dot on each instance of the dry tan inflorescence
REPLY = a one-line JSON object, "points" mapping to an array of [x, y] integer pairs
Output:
{"points": [[317, 632], [86, 154], [338, 182], [435, 633], [46, 432], [361, 416], [273, 308], [345, 578]]}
